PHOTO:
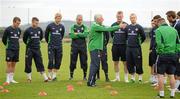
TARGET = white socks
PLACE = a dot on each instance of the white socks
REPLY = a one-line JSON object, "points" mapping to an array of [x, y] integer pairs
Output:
{"points": [[44, 75], [172, 92], [140, 77], [29, 76], [53, 75], [177, 84], [133, 77], [50, 74], [117, 76], [8, 77], [126, 77], [11, 77], [161, 93]]}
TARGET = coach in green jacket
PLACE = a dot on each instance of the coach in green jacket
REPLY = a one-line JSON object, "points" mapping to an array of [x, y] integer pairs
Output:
{"points": [[96, 45], [167, 41]]}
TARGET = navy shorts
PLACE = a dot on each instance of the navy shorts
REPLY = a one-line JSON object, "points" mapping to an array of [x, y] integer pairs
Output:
{"points": [[152, 57], [166, 64], [119, 52], [12, 55]]}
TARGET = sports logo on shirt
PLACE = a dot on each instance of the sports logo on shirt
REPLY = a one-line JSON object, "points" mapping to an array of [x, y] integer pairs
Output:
{"points": [[39, 32], [15, 35], [8, 58], [82, 28], [136, 29], [78, 31], [57, 31], [60, 29]]}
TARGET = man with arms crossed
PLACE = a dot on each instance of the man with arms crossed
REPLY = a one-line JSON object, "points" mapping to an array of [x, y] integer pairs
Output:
{"points": [[79, 33]]}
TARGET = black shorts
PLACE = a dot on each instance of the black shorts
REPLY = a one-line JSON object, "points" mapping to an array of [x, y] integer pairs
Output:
{"points": [[119, 52], [177, 73], [152, 57], [12, 55], [166, 64]]}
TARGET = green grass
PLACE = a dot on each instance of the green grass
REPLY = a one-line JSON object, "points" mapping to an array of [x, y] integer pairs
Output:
{"points": [[57, 90]]}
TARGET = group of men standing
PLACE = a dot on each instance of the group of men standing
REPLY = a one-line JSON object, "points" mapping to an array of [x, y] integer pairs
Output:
{"points": [[127, 40], [32, 37], [164, 52]]}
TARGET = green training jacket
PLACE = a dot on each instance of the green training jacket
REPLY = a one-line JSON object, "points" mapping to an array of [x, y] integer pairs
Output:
{"points": [[167, 40], [96, 36]]}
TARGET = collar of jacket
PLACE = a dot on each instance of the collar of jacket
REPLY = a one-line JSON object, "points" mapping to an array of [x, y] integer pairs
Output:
{"points": [[164, 24]]}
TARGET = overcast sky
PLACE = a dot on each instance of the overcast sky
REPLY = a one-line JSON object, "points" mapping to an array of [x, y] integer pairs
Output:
{"points": [[45, 9]]}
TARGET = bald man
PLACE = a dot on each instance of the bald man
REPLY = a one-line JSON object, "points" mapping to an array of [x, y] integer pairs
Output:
{"points": [[53, 35], [79, 33], [96, 44]]}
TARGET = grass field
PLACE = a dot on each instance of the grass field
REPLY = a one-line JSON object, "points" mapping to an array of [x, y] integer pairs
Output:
{"points": [[57, 90]]}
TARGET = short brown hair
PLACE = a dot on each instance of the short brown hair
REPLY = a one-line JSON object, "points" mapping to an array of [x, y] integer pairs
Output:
{"points": [[120, 12], [171, 14], [156, 17], [178, 13], [16, 19], [161, 20], [35, 19]]}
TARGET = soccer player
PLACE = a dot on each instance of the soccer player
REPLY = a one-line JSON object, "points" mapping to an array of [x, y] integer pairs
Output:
{"points": [[32, 37], [11, 40], [96, 45], [166, 40], [171, 17], [104, 58], [79, 33], [136, 37], [53, 35], [119, 47], [152, 50]]}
